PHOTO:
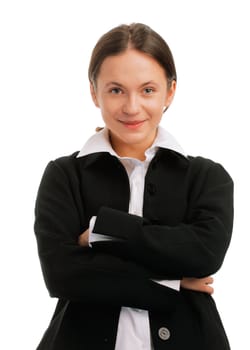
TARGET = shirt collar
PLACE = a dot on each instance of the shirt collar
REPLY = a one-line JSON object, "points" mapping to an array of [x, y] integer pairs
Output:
{"points": [[99, 142]]}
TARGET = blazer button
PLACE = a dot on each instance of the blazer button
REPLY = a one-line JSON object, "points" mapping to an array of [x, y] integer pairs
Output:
{"points": [[151, 188], [164, 333]]}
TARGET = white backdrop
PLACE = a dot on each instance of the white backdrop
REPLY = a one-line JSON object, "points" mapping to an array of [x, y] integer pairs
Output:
{"points": [[46, 112]]}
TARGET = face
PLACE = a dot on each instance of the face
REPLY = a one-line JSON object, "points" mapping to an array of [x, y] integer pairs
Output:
{"points": [[131, 91]]}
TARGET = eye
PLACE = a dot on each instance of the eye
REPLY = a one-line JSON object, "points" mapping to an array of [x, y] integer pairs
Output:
{"points": [[148, 90], [116, 91]]}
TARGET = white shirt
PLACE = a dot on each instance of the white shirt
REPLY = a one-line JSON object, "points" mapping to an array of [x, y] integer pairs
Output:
{"points": [[133, 328]]}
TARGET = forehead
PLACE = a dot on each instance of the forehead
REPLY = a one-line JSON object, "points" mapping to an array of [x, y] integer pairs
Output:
{"points": [[131, 65]]}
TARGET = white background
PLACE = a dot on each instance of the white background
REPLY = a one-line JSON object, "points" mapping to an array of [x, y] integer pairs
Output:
{"points": [[46, 112]]}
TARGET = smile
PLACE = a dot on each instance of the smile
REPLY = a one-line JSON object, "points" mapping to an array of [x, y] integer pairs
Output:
{"points": [[132, 124]]}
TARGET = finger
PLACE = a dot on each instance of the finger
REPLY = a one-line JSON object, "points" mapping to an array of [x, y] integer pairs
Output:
{"points": [[208, 289], [207, 280], [210, 280]]}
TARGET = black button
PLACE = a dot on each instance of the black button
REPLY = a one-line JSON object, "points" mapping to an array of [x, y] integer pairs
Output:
{"points": [[151, 188]]}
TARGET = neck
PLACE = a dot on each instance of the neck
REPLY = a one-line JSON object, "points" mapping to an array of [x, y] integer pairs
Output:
{"points": [[136, 151], [132, 149], [131, 153]]}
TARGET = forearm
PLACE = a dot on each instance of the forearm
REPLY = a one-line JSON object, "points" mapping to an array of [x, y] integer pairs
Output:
{"points": [[102, 279], [194, 250], [75, 273], [194, 246], [196, 284]]}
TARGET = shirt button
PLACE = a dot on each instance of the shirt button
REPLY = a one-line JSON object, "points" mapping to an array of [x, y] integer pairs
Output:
{"points": [[151, 189], [164, 333]]}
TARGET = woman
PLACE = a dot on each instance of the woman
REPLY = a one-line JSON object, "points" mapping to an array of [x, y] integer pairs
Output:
{"points": [[129, 227]]}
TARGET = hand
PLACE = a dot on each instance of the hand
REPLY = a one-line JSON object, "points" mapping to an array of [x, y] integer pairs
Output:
{"points": [[83, 239], [198, 284]]}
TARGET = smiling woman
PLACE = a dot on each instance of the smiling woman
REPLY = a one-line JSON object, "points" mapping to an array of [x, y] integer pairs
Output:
{"points": [[129, 227], [131, 91]]}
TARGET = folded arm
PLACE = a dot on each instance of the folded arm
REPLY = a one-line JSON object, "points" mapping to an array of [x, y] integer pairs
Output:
{"points": [[194, 248], [195, 284], [73, 272]]}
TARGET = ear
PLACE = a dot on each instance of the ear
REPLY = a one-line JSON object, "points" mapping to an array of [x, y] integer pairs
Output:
{"points": [[170, 93], [93, 94]]}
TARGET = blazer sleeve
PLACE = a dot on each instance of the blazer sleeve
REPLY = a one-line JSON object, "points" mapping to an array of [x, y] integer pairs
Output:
{"points": [[194, 248], [75, 273]]}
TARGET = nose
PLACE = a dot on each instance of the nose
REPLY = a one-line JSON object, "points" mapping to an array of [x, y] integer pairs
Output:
{"points": [[131, 105]]}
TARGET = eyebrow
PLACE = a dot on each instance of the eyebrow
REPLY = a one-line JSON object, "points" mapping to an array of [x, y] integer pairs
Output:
{"points": [[113, 83], [120, 85]]}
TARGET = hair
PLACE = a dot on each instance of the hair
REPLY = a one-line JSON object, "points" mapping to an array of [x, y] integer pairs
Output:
{"points": [[137, 36]]}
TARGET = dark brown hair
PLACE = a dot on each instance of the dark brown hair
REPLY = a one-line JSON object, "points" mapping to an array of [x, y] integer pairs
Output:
{"points": [[138, 36]]}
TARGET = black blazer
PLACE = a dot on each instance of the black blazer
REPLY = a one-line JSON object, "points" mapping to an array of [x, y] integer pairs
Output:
{"points": [[184, 232]]}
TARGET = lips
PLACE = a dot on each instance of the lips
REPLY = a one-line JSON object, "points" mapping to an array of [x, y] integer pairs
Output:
{"points": [[132, 124]]}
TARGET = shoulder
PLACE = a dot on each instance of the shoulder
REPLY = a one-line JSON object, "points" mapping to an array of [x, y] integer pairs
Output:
{"points": [[194, 166], [207, 167], [206, 176], [66, 162], [72, 165], [198, 172], [62, 164]]}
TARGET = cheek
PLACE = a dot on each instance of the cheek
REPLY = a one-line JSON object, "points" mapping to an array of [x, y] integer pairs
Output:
{"points": [[108, 111], [110, 106], [156, 105]]}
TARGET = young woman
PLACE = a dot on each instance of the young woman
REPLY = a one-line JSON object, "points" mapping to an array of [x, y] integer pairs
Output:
{"points": [[129, 227]]}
